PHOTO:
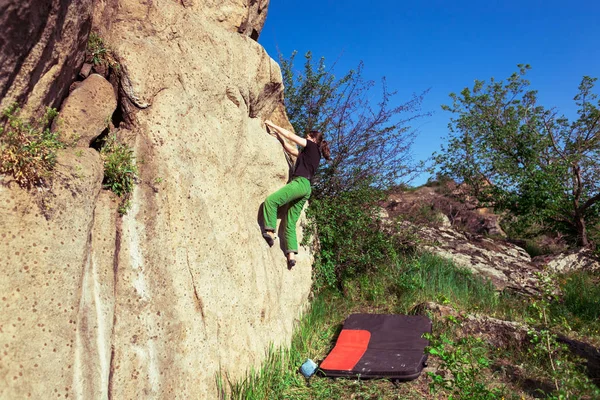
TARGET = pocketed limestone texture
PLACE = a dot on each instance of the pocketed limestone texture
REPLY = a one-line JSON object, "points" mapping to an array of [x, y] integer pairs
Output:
{"points": [[86, 112], [154, 304]]}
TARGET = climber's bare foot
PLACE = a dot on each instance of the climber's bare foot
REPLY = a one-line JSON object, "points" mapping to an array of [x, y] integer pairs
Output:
{"points": [[291, 260], [269, 237]]}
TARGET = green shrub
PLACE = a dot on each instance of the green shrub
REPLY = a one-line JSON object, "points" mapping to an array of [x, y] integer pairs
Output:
{"points": [[465, 362], [99, 54], [120, 171], [28, 149], [551, 358], [350, 236]]}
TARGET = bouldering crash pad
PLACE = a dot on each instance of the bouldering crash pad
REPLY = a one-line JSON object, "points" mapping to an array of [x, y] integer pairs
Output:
{"points": [[379, 346]]}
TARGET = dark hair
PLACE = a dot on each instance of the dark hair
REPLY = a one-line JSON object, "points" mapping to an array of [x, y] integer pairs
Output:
{"points": [[323, 145]]}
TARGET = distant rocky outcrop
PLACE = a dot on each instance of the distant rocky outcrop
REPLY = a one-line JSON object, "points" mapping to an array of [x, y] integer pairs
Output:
{"points": [[574, 260], [449, 224], [506, 265], [432, 205], [158, 302]]}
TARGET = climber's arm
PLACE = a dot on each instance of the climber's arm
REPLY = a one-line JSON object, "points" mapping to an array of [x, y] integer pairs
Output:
{"points": [[289, 148], [287, 134]]}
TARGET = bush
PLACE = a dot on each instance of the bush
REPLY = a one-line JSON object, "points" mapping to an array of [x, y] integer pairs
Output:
{"points": [[464, 362], [99, 54], [350, 236], [28, 149], [120, 171], [370, 140]]}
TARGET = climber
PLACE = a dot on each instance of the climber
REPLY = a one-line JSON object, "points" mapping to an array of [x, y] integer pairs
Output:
{"points": [[297, 192]]}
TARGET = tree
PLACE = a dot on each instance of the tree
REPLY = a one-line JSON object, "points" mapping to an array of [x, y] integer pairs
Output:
{"points": [[515, 154], [368, 143]]}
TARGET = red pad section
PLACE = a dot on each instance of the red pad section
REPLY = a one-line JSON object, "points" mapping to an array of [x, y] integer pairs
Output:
{"points": [[348, 350]]}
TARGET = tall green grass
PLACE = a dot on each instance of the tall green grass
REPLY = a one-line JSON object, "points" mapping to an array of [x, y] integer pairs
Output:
{"points": [[432, 278], [582, 296]]}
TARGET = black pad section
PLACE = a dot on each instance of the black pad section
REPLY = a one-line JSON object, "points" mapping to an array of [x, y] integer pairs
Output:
{"points": [[396, 348]]}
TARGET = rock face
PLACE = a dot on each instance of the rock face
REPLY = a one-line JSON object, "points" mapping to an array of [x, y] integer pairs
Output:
{"points": [[42, 264], [579, 260], [42, 46], [438, 205], [156, 303], [505, 264], [86, 112], [245, 16]]}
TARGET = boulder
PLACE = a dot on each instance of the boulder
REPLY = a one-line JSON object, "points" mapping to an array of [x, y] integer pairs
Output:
{"points": [[183, 288], [42, 48], [576, 260], [86, 112]]}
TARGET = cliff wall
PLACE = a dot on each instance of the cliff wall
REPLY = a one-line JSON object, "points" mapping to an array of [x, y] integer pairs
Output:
{"points": [[154, 303]]}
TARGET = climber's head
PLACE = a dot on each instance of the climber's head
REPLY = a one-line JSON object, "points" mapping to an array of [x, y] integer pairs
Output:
{"points": [[317, 137]]}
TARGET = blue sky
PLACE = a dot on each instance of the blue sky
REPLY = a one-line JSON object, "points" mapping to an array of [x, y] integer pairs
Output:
{"points": [[444, 46]]}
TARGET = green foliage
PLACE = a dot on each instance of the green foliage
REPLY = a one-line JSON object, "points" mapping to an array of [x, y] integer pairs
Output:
{"points": [[516, 155], [369, 143], [120, 171], [28, 149], [569, 382], [99, 54], [465, 366], [350, 236], [465, 362]]}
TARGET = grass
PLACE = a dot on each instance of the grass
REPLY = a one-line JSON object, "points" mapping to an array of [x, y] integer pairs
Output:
{"points": [[398, 288], [577, 309], [120, 170], [582, 296], [579, 306], [28, 148]]}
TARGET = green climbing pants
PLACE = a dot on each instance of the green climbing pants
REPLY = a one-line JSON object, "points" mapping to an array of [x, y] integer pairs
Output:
{"points": [[295, 195]]}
